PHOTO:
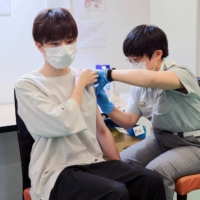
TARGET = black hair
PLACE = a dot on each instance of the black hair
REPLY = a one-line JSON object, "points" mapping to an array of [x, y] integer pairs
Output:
{"points": [[54, 24], [145, 40]]}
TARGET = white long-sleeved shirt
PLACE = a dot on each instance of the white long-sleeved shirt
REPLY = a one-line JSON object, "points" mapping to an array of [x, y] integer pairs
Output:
{"points": [[64, 134]]}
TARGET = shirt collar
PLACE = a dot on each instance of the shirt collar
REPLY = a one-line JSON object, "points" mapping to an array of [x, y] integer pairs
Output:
{"points": [[166, 64]]}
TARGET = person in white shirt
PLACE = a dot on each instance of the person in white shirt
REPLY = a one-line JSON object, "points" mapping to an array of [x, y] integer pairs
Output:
{"points": [[58, 106], [168, 95]]}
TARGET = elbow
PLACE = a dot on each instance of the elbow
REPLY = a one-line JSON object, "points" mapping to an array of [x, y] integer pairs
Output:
{"points": [[130, 121], [101, 132]]}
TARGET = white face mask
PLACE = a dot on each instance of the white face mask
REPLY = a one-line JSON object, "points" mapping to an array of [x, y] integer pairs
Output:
{"points": [[61, 57], [140, 65]]}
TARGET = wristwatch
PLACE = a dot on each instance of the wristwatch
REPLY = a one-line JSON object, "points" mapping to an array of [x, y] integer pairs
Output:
{"points": [[109, 74]]}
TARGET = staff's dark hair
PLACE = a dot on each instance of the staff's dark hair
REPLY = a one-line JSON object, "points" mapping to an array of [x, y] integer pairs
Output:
{"points": [[145, 40]]}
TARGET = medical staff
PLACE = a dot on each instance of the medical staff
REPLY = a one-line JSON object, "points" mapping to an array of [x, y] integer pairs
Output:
{"points": [[165, 93]]}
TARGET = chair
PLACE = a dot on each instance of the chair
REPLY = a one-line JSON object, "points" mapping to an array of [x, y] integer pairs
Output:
{"points": [[186, 184], [198, 80], [25, 145]]}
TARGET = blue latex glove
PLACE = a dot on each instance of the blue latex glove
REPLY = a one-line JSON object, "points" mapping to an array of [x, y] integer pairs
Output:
{"points": [[102, 81], [104, 103]]}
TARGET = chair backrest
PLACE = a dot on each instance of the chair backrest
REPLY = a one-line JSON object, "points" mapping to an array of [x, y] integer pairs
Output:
{"points": [[25, 145], [198, 79]]}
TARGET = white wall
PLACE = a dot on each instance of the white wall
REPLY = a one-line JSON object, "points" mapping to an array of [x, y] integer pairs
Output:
{"points": [[18, 54], [179, 20]]}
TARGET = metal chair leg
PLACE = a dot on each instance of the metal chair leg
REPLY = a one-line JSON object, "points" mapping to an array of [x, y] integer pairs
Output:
{"points": [[180, 197]]}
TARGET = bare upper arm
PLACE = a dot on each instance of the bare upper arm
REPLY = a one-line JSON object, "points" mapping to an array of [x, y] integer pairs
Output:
{"points": [[100, 125]]}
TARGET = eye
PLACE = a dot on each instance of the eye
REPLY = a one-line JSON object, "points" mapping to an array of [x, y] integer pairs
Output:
{"points": [[132, 60], [54, 43], [136, 60]]}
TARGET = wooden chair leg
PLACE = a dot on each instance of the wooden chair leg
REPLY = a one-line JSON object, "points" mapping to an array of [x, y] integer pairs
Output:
{"points": [[180, 197]]}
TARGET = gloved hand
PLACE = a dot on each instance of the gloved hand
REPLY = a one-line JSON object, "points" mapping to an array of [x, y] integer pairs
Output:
{"points": [[104, 103], [102, 81]]}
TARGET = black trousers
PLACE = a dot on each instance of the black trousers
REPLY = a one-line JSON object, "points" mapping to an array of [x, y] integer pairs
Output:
{"points": [[109, 180]]}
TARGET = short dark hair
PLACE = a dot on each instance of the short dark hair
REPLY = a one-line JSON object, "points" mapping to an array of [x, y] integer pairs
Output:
{"points": [[54, 24], [145, 40]]}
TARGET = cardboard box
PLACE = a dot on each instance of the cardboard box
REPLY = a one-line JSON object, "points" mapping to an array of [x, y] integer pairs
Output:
{"points": [[123, 141], [125, 144]]}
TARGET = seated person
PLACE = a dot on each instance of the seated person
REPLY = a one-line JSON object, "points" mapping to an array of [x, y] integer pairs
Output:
{"points": [[58, 106], [165, 93]]}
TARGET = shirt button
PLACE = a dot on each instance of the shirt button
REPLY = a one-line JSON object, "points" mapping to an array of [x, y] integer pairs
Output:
{"points": [[96, 160]]}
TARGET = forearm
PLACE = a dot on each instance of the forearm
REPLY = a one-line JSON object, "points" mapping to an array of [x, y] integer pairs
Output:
{"points": [[123, 119], [78, 91], [165, 80], [105, 138], [141, 78], [108, 145]]}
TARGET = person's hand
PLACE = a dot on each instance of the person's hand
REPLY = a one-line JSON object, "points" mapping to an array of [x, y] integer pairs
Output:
{"points": [[102, 81], [104, 103], [86, 76]]}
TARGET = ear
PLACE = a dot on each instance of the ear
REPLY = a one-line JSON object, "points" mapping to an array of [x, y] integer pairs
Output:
{"points": [[158, 54], [39, 46]]}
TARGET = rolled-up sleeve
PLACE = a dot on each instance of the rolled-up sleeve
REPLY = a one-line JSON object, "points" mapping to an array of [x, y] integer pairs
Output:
{"points": [[187, 78], [43, 116]]}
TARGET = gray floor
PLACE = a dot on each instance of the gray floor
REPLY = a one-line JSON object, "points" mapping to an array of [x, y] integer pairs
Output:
{"points": [[195, 195]]}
